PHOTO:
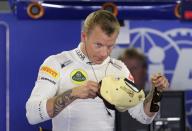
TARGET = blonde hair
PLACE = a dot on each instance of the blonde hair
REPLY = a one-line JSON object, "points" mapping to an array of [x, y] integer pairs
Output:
{"points": [[102, 18]]}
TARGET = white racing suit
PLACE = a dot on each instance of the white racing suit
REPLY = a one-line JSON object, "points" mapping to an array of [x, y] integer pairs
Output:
{"points": [[69, 69]]}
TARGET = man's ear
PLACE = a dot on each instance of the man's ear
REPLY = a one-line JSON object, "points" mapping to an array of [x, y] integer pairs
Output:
{"points": [[83, 36]]}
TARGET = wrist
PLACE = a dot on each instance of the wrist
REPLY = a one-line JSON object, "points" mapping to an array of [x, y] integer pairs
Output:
{"points": [[74, 92]]}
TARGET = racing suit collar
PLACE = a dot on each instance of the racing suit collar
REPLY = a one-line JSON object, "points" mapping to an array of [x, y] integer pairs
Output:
{"points": [[82, 57]]}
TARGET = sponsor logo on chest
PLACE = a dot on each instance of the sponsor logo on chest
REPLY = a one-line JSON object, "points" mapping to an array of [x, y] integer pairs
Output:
{"points": [[78, 76]]}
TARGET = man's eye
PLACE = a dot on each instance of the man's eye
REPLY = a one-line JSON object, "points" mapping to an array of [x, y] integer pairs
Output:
{"points": [[98, 45]]}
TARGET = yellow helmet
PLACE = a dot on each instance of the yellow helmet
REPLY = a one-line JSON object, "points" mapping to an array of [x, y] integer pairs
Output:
{"points": [[120, 93]]}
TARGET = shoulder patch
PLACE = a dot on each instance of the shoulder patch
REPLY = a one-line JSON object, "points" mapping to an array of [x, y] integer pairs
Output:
{"points": [[64, 59], [65, 63], [48, 70]]}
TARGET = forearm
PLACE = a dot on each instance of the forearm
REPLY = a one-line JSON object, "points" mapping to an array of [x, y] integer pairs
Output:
{"points": [[139, 114], [36, 110], [56, 104], [141, 111]]}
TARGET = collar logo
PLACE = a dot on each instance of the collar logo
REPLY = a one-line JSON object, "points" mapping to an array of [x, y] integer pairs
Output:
{"points": [[78, 76], [80, 54]]}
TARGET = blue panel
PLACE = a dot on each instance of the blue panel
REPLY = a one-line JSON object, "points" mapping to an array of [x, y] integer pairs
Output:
{"points": [[2, 77], [168, 47]]}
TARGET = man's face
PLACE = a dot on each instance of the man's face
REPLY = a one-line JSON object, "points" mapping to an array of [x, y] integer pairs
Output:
{"points": [[98, 45]]}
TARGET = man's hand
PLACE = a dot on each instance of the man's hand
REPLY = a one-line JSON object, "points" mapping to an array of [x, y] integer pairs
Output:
{"points": [[87, 90], [160, 82]]}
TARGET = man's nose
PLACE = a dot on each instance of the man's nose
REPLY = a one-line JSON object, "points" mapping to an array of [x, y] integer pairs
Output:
{"points": [[104, 52]]}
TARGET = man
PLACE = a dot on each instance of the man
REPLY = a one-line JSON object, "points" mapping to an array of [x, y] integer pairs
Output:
{"points": [[67, 85], [136, 62]]}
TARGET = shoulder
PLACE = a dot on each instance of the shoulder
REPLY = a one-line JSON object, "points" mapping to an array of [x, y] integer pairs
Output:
{"points": [[59, 60], [52, 65], [122, 68], [118, 64]]}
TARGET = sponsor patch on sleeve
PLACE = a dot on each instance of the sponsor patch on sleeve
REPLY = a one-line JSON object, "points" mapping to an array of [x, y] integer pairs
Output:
{"points": [[47, 79], [48, 70]]}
